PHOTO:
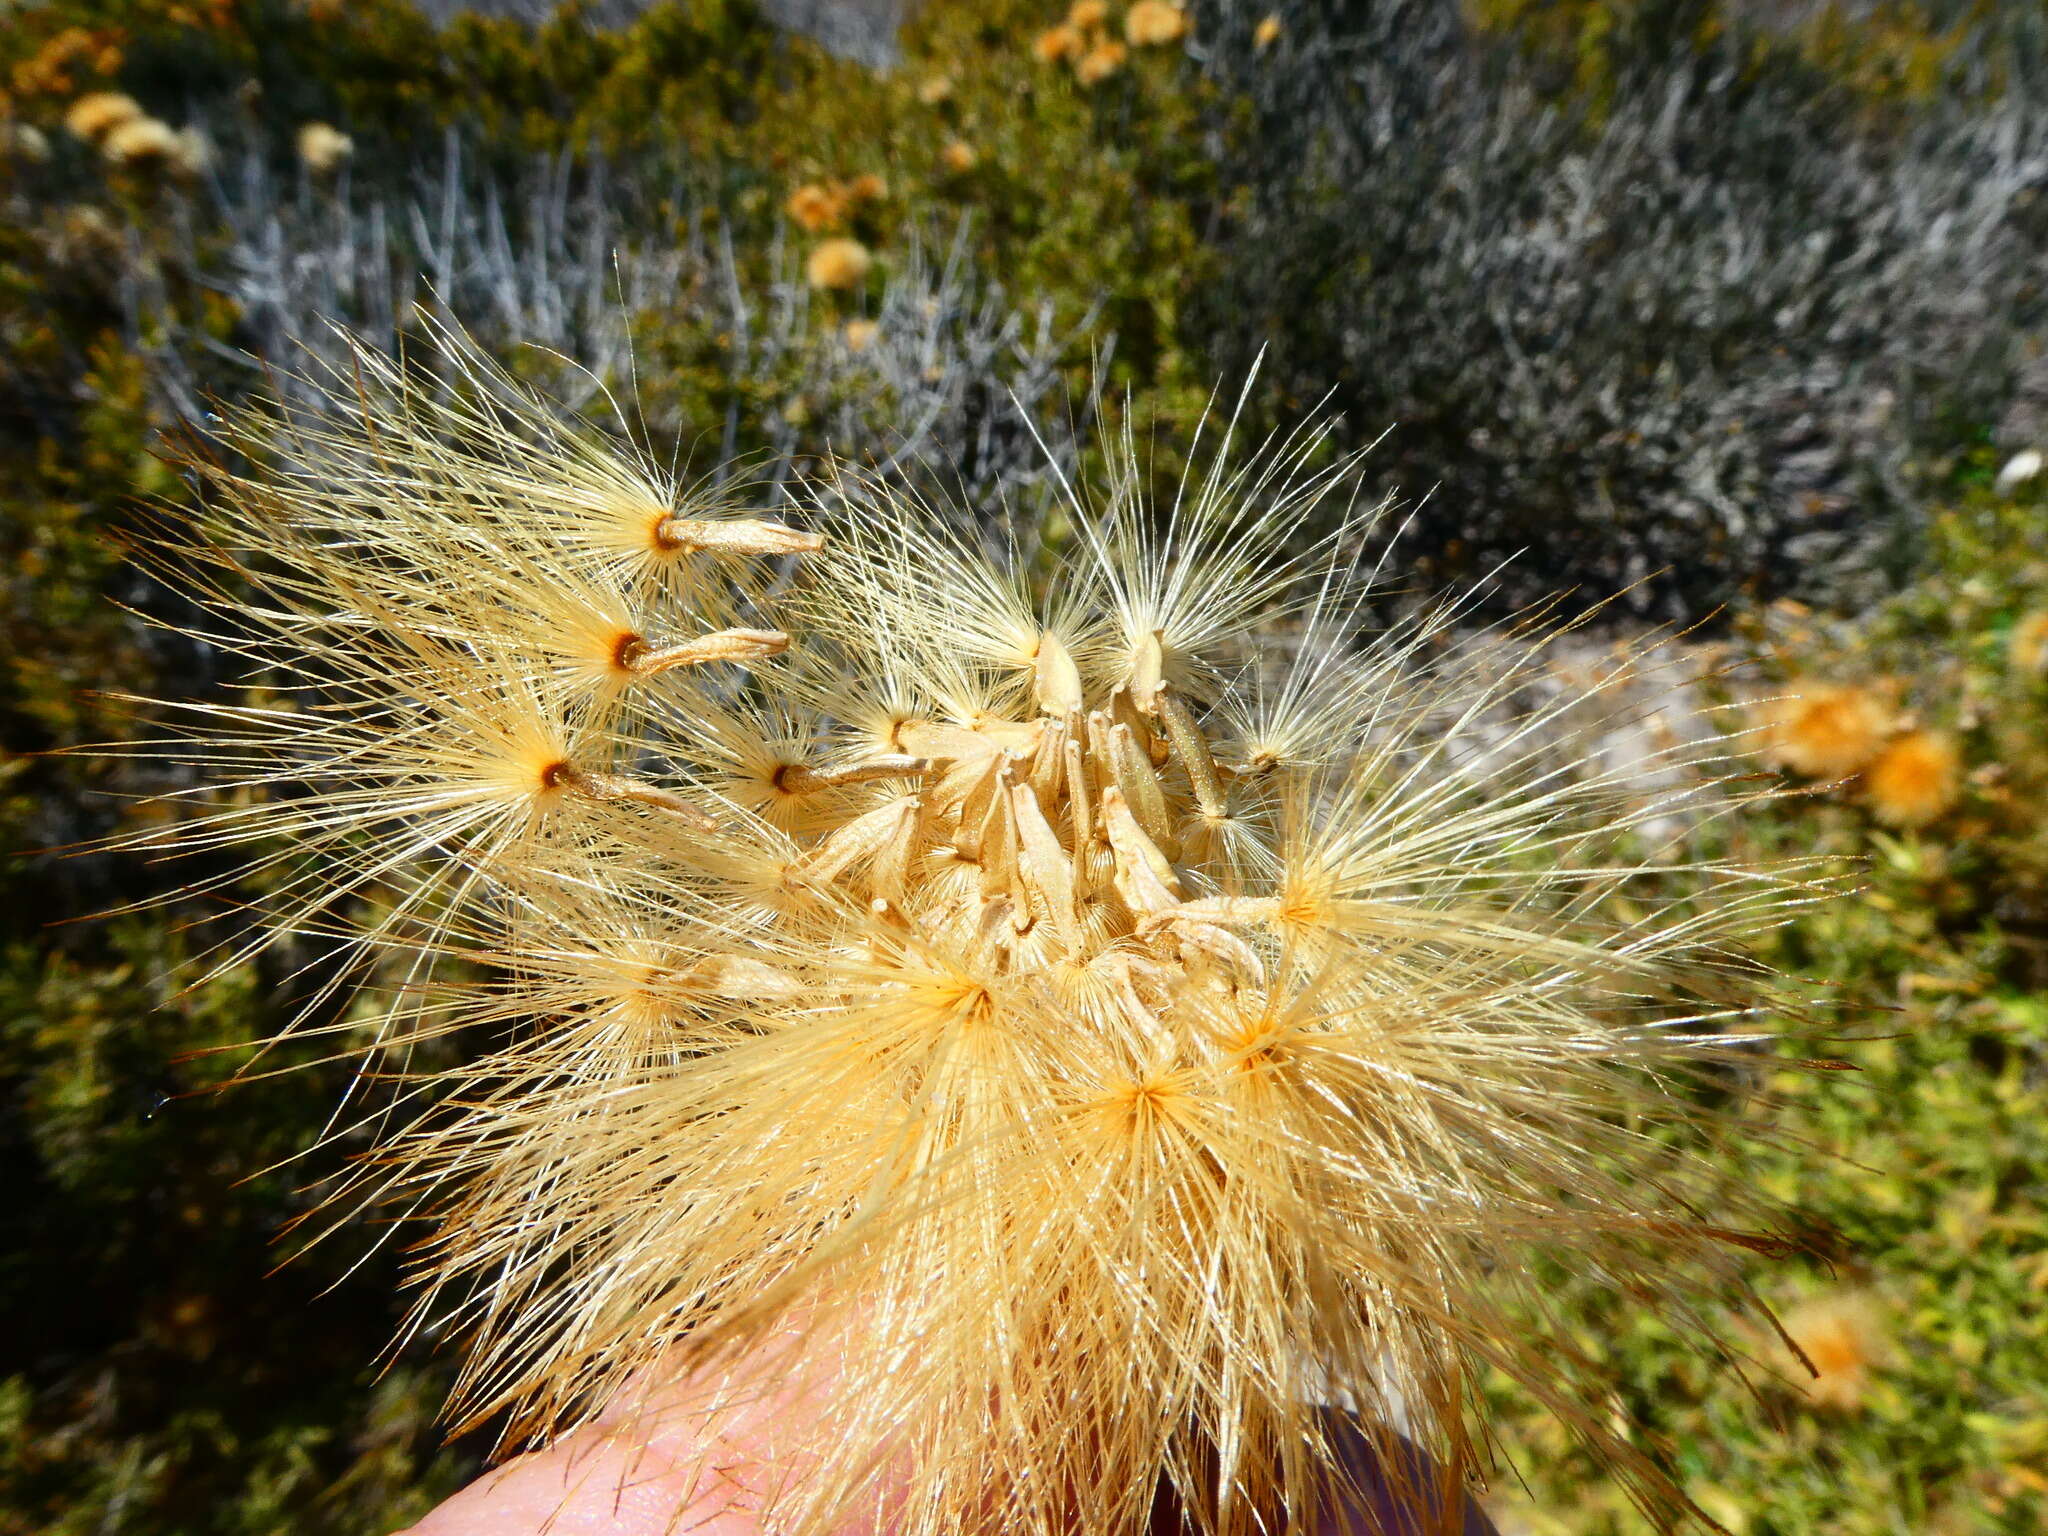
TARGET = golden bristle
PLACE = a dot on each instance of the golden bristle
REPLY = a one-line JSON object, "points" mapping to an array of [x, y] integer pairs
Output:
{"points": [[1096, 1017]]}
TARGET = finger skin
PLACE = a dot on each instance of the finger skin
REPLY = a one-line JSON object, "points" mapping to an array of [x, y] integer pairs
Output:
{"points": [[669, 1475]]}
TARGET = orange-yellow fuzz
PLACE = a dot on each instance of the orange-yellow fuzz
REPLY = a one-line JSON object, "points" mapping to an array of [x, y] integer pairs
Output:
{"points": [[1266, 33], [1087, 15], [1099, 63], [1057, 45], [95, 115], [145, 143], [1152, 23], [816, 208], [1825, 731], [1841, 1341], [959, 157], [838, 263], [1097, 1002], [1914, 780]]}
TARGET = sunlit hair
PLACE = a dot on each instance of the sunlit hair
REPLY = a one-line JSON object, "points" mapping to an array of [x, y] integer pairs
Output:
{"points": [[1119, 1009]]}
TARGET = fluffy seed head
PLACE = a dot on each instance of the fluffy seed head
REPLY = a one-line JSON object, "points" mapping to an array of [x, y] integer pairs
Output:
{"points": [[1099, 63], [816, 208], [1841, 1340], [323, 147], [1153, 23], [1104, 1006], [145, 143], [1822, 731], [1057, 45], [1914, 780], [838, 263], [94, 115]]}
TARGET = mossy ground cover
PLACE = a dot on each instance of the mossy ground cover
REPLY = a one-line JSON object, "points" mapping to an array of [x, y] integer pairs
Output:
{"points": [[158, 1378]]}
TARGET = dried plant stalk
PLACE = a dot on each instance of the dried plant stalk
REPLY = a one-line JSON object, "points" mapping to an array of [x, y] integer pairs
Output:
{"points": [[1119, 1021]]}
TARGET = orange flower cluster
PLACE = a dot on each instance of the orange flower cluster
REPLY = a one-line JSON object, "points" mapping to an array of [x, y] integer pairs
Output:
{"points": [[1908, 777], [62, 64], [1083, 42], [818, 206]]}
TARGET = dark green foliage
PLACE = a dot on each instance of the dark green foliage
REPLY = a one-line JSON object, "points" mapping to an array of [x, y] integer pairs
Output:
{"points": [[1693, 333]]}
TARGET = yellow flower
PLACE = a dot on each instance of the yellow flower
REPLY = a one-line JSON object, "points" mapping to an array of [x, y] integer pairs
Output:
{"points": [[859, 335], [959, 157], [838, 264], [1058, 44], [816, 208], [935, 89], [1266, 33], [868, 187], [1914, 780], [1150, 23], [322, 147], [1824, 731], [1099, 63], [1085, 15], [94, 116]]}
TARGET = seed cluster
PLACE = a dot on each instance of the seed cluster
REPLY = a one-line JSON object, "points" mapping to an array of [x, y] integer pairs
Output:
{"points": [[1108, 1003]]}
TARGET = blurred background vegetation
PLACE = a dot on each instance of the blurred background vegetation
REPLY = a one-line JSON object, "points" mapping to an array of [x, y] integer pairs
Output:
{"points": [[1739, 307]]}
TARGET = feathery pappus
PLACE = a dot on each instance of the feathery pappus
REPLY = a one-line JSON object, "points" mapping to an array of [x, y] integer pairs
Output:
{"points": [[1108, 1001]]}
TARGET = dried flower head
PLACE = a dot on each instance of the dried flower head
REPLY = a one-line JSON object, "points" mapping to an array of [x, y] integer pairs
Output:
{"points": [[934, 89], [838, 264], [1057, 45], [1153, 23], [1914, 780], [145, 143], [816, 208], [1097, 1002], [1099, 63], [1839, 1342], [1266, 33], [868, 187], [323, 148], [959, 157], [1825, 731], [859, 335], [1088, 15], [93, 116]]}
